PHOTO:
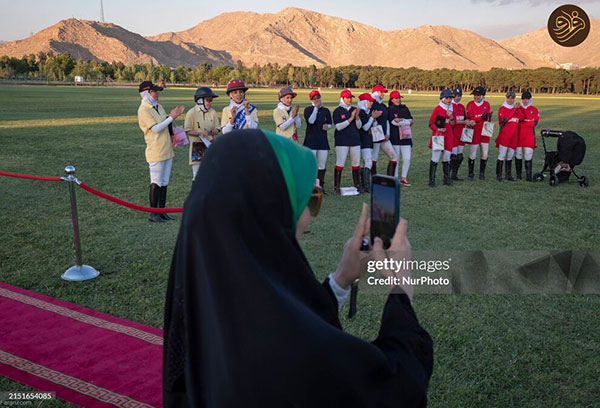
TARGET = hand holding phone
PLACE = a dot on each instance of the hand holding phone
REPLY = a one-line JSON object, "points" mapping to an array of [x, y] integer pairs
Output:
{"points": [[385, 208]]}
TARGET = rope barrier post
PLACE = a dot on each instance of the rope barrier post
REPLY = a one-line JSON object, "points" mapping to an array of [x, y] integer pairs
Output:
{"points": [[77, 272]]}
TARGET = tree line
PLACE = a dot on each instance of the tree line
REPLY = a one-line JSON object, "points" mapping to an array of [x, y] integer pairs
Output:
{"points": [[63, 67]]}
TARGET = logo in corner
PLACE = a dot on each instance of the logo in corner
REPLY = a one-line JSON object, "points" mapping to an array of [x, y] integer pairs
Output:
{"points": [[568, 25]]}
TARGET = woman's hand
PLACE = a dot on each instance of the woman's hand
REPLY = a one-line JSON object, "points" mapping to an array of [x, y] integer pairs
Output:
{"points": [[177, 111], [295, 111], [349, 268], [376, 114]]}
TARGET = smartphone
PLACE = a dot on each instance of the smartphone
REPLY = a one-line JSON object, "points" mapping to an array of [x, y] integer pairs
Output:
{"points": [[385, 208]]}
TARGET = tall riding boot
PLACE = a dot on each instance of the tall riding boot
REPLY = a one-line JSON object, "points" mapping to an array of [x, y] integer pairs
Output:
{"points": [[482, 164], [446, 169], [321, 177], [161, 204], [362, 179], [508, 168], [356, 179], [471, 175], [337, 178], [519, 168], [459, 160], [452, 165], [499, 164], [367, 175], [391, 168], [154, 197], [528, 176], [374, 167], [432, 168]]}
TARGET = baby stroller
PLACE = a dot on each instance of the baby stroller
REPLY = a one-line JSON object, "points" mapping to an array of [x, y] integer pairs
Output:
{"points": [[561, 163]]}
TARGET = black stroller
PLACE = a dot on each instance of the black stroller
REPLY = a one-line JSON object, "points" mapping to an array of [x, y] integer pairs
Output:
{"points": [[570, 150]]}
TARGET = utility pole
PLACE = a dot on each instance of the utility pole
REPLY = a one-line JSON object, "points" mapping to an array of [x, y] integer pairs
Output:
{"points": [[102, 10]]}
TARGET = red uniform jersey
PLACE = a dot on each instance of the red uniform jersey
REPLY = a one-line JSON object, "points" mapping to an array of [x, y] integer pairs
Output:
{"points": [[446, 131], [529, 119], [459, 114], [508, 121], [474, 112]]}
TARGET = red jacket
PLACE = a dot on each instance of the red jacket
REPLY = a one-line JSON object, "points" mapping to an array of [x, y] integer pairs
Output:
{"points": [[459, 114], [508, 121], [529, 119], [474, 112], [446, 131]]}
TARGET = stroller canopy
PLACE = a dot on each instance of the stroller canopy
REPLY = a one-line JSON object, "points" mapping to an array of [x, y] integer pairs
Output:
{"points": [[571, 148]]}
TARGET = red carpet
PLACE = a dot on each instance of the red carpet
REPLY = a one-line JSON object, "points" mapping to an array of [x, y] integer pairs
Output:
{"points": [[88, 358]]}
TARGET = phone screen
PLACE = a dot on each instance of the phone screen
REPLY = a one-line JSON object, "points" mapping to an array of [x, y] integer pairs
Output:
{"points": [[385, 215]]}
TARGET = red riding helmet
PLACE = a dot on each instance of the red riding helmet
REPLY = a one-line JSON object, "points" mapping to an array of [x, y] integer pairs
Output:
{"points": [[236, 84]]}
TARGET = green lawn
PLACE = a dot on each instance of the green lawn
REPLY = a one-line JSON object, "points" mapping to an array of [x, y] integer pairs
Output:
{"points": [[490, 350]]}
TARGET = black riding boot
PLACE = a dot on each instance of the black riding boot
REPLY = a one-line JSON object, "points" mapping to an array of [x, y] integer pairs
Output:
{"points": [[154, 197], [508, 168], [321, 177], [161, 204], [499, 164], [457, 162], [519, 168], [365, 179], [528, 175], [374, 168], [446, 169], [471, 175], [337, 178], [432, 168], [391, 169], [356, 180], [482, 164], [452, 164]]}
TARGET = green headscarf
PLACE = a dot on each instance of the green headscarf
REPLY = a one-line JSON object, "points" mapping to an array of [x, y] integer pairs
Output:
{"points": [[299, 169]]}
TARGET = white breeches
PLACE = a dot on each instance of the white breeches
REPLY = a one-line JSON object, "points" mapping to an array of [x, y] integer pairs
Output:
{"points": [[387, 148], [528, 153], [367, 156], [505, 153], [437, 154], [160, 172], [321, 156], [341, 153], [485, 147]]}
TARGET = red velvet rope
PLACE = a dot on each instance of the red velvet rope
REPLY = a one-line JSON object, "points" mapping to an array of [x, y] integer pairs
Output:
{"points": [[27, 176], [127, 204], [98, 193]]}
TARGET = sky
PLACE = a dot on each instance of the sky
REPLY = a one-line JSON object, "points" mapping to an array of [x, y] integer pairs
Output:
{"points": [[494, 19]]}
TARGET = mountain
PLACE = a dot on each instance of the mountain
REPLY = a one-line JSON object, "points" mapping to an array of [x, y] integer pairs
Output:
{"points": [[303, 37], [538, 49], [109, 42]]}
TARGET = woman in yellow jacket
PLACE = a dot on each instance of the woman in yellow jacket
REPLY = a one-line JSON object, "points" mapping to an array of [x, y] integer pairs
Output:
{"points": [[201, 121], [157, 128]]}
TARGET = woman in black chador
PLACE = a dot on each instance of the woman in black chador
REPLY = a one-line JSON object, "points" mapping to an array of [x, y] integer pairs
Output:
{"points": [[247, 324]]}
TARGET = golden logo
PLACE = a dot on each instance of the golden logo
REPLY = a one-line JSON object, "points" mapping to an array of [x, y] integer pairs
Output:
{"points": [[568, 25]]}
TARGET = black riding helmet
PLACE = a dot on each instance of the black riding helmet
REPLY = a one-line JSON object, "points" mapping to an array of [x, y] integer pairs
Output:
{"points": [[203, 92], [479, 90]]}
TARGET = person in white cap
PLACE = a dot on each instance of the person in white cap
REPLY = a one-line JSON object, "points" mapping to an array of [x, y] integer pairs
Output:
{"points": [[287, 120], [240, 113], [506, 141], [526, 136]]}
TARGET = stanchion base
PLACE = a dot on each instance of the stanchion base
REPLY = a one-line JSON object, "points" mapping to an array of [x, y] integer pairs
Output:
{"points": [[80, 273]]}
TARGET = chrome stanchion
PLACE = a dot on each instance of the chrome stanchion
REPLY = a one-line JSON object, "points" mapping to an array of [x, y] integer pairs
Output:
{"points": [[77, 272]]}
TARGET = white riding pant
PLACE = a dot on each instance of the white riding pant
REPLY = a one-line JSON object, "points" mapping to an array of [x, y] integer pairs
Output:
{"points": [[341, 153], [528, 153], [160, 172], [321, 156], [485, 147], [367, 156]]}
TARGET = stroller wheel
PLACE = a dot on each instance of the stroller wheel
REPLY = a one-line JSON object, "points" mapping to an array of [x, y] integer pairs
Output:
{"points": [[584, 181], [553, 180], [538, 177]]}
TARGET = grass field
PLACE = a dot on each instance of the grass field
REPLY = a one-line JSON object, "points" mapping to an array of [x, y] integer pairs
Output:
{"points": [[490, 350]]}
